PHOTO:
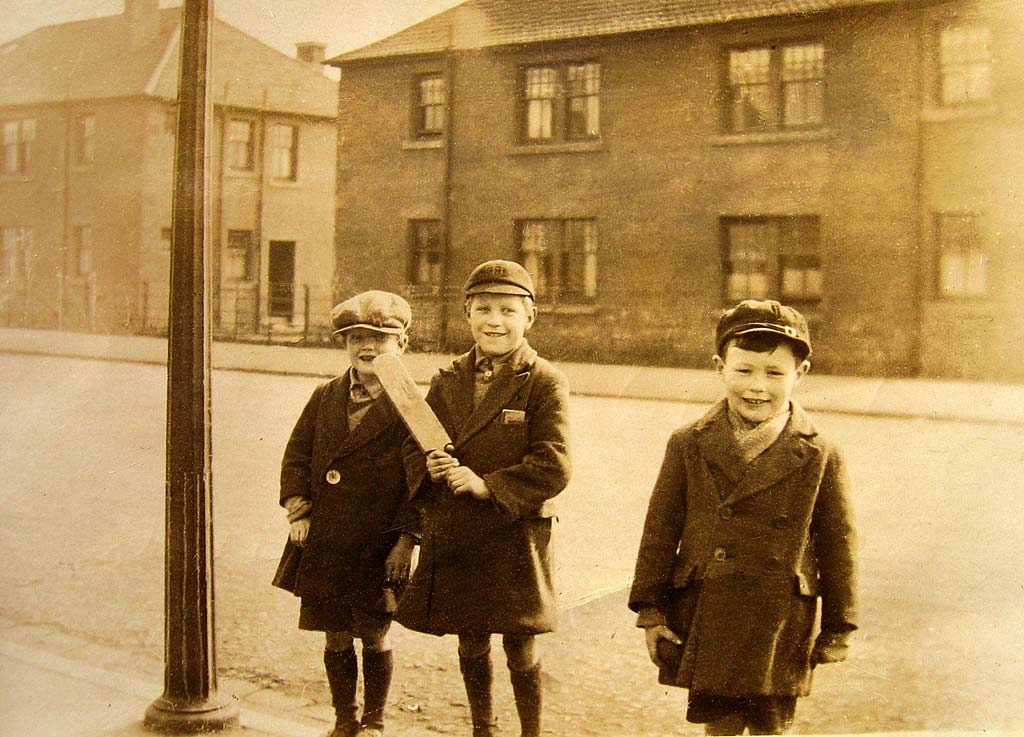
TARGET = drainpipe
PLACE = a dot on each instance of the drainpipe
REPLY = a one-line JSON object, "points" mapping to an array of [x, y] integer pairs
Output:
{"points": [[446, 184]]}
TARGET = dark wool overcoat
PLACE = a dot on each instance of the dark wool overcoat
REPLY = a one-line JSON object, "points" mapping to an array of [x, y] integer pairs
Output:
{"points": [[348, 543], [736, 555], [485, 565]]}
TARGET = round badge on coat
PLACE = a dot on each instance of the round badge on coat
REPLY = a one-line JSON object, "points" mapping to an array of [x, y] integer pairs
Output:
{"points": [[333, 476]]}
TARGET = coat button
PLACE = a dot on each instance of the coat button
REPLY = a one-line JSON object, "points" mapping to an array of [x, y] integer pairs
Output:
{"points": [[719, 554], [333, 476], [726, 512], [781, 521], [773, 561]]}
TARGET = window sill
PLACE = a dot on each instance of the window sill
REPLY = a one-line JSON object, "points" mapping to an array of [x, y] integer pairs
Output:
{"points": [[562, 147], [239, 173], [285, 184], [20, 178], [944, 114], [87, 168], [796, 136], [567, 309], [426, 145]]}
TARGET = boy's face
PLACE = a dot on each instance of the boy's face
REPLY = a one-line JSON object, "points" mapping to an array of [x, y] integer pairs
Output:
{"points": [[758, 386], [363, 345], [499, 321]]}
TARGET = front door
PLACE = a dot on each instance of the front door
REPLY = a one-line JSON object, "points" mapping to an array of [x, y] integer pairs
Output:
{"points": [[281, 275]]}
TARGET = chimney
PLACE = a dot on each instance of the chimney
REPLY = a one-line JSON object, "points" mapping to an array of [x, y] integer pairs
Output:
{"points": [[313, 52], [143, 18]]}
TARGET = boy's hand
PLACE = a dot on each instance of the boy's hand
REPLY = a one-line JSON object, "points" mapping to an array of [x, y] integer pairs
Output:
{"points": [[396, 568], [439, 464], [299, 531], [463, 480], [655, 634]]}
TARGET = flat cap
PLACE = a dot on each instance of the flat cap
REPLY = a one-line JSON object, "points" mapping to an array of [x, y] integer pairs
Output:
{"points": [[375, 310], [762, 316], [499, 277]]}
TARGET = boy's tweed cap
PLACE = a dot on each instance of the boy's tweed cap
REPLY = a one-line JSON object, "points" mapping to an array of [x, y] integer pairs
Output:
{"points": [[375, 310], [762, 316], [499, 277]]}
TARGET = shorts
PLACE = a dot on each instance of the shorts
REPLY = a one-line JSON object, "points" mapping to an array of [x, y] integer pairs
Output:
{"points": [[764, 714], [338, 615]]}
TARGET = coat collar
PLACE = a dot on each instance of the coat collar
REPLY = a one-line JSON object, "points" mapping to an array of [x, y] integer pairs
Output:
{"points": [[469, 420], [793, 449]]}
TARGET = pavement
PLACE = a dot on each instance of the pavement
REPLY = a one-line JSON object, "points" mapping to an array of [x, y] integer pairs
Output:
{"points": [[52, 684]]}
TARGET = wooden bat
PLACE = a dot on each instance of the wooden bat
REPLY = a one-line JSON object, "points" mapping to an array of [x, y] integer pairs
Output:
{"points": [[426, 429]]}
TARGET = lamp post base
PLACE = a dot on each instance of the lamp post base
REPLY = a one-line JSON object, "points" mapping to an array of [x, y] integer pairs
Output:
{"points": [[211, 715]]}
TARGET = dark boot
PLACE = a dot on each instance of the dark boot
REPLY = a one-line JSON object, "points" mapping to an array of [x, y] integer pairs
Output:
{"points": [[527, 690], [377, 668], [342, 675], [477, 675]]}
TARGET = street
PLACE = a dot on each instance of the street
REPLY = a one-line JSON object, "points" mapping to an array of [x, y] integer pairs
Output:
{"points": [[938, 504]]}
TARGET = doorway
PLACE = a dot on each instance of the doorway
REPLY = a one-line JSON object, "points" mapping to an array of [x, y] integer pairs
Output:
{"points": [[281, 277]]}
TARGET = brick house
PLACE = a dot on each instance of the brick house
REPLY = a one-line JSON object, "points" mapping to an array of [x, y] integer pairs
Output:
{"points": [[87, 112], [652, 162]]}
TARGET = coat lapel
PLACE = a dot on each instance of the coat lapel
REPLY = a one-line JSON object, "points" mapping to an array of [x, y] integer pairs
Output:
{"points": [[717, 445], [378, 418], [509, 380], [792, 451]]}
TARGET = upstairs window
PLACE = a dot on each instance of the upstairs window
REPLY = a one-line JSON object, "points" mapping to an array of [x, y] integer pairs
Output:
{"points": [[965, 65], [85, 139], [284, 145], [776, 87], [19, 136], [963, 263], [240, 145], [561, 102], [561, 255], [772, 258], [431, 106], [426, 253]]}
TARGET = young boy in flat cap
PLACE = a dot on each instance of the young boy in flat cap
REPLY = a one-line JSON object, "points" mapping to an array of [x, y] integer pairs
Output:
{"points": [[748, 525], [484, 512], [342, 483]]}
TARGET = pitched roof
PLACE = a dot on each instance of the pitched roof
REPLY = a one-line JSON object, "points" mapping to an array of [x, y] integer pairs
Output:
{"points": [[95, 59], [481, 23]]}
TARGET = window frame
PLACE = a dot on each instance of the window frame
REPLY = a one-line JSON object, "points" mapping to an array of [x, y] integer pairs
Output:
{"points": [[244, 246], [777, 86], [557, 118], [233, 147], [17, 152], [785, 252], [976, 248], [571, 255], [941, 75], [417, 248], [277, 149], [15, 245], [421, 108]]}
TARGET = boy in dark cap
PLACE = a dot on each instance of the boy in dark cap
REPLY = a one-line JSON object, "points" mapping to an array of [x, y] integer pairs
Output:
{"points": [[748, 525], [342, 484], [483, 513]]}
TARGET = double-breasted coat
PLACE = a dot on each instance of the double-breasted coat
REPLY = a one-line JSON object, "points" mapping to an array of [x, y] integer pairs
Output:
{"points": [[348, 542], [736, 555], [485, 565]]}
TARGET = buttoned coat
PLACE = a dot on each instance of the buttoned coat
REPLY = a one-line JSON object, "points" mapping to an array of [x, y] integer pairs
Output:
{"points": [[343, 558], [736, 555], [485, 565]]}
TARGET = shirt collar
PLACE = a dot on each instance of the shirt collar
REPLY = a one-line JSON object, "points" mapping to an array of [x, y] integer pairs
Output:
{"points": [[360, 392]]}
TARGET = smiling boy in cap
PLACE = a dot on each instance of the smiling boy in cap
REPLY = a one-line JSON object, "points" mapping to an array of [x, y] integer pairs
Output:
{"points": [[483, 514], [749, 524], [342, 484]]}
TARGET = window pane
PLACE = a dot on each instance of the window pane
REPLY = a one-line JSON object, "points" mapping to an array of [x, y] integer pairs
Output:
{"points": [[427, 252], [750, 77], [803, 72], [965, 60], [541, 89], [433, 98], [963, 264], [283, 159], [584, 87], [240, 144]]}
